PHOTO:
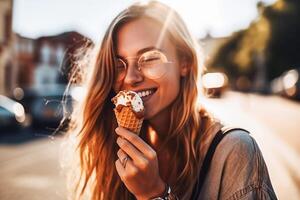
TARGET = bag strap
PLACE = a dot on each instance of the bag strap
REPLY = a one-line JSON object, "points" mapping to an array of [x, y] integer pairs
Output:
{"points": [[208, 158]]}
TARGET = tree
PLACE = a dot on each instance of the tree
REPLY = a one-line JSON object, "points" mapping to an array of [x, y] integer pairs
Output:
{"points": [[274, 35]]}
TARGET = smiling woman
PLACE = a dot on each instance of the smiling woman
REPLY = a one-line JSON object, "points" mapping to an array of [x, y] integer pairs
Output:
{"points": [[148, 50]]}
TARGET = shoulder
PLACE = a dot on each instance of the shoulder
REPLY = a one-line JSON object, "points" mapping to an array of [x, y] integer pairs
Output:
{"points": [[239, 149], [242, 166], [239, 141]]}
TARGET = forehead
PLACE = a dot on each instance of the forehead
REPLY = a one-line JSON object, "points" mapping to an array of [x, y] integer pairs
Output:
{"points": [[141, 33]]}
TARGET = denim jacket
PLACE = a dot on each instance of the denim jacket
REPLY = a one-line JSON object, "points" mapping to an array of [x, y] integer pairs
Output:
{"points": [[237, 171]]}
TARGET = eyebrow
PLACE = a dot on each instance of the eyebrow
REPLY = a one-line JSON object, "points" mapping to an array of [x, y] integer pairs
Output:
{"points": [[143, 50]]}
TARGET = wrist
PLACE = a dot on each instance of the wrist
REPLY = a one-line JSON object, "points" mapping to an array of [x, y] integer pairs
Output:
{"points": [[168, 195], [159, 190]]}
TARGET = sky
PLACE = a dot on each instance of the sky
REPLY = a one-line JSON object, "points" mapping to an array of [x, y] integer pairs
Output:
{"points": [[35, 18]]}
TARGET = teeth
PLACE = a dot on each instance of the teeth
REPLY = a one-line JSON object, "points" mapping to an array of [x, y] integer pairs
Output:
{"points": [[144, 93]]}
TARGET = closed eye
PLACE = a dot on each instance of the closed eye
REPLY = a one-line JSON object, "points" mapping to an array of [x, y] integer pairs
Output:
{"points": [[151, 59]]}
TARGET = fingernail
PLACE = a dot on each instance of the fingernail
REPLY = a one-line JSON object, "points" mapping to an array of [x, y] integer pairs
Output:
{"points": [[119, 140]]}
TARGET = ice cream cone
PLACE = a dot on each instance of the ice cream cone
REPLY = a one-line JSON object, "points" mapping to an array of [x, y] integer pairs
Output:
{"points": [[129, 110], [126, 118]]}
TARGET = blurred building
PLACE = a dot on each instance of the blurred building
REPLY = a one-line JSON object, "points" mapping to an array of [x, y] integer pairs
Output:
{"points": [[34, 63], [45, 62], [47, 70], [59, 52], [210, 46], [24, 51], [8, 67]]}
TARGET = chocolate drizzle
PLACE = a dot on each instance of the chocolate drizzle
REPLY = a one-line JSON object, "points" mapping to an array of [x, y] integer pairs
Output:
{"points": [[140, 114], [129, 96]]}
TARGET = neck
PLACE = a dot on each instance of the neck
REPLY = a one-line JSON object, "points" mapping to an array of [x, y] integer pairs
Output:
{"points": [[159, 126]]}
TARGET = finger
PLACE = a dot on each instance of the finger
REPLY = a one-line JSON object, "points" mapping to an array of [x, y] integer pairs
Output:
{"points": [[120, 169], [121, 154], [130, 169], [128, 149], [136, 141], [126, 173], [141, 164]]}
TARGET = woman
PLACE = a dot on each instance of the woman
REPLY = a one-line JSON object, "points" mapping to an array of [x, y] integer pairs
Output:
{"points": [[164, 161]]}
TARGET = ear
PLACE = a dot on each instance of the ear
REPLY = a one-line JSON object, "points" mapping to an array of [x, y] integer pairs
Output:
{"points": [[184, 68]]}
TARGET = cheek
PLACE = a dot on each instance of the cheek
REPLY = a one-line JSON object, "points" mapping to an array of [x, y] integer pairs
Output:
{"points": [[117, 87], [169, 88], [172, 89]]}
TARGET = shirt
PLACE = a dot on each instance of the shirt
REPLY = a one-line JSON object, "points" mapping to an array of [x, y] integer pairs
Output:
{"points": [[237, 171]]}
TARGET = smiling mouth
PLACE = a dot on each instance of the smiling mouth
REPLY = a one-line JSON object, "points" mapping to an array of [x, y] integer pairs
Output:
{"points": [[146, 94]]}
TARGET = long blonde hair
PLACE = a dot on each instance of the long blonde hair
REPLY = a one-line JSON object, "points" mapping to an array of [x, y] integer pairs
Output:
{"points": [[93, 122]]}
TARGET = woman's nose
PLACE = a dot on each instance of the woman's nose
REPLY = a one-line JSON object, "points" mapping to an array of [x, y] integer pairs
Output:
{"points": [[133, 75]]}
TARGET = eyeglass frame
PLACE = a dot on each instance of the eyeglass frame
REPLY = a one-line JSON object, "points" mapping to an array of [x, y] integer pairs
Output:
{"points": [[124, 60]]}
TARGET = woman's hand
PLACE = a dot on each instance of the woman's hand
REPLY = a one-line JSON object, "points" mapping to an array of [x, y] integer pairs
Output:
{"points": [[140, 173]]}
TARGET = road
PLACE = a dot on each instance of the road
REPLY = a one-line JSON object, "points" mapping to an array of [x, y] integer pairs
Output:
{"points": [[30, 168]]}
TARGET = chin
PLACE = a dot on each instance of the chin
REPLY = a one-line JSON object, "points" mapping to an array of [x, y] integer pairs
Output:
{"points": [[149, 115]]}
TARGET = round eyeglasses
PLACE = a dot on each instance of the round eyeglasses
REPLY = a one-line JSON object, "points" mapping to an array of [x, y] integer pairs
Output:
{"points": [[150, 63]]}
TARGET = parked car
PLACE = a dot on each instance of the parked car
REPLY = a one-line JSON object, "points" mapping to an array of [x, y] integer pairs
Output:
{"points": [[214, 84], [12, 114], [48, 107], [287, 84]]}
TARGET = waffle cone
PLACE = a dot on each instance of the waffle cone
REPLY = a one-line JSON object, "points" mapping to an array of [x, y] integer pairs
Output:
{"points": [[126, 118]]}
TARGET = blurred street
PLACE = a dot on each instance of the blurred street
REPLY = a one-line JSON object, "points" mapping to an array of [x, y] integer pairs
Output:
{"points": [[29, 165]]}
